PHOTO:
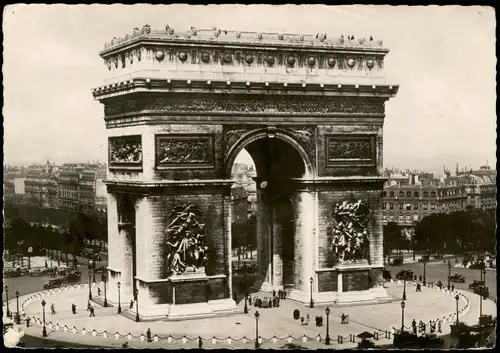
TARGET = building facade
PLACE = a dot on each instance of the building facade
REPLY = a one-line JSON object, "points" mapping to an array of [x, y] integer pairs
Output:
{"points": [[81, 187], [410, 196], [40, 186]]}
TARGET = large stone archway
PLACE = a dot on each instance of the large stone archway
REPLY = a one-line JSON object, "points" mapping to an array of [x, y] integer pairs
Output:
{"points": [[178, 109]]}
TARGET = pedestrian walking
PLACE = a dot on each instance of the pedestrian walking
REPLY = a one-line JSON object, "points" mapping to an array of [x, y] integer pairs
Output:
{"points": [[88, 305], [73, 308], [414, 326], [131, 304], [250, 300], [347, 319], [439, 327], [342, 318], [92, 314], [302, 320], [52, 309], [420, 278], [148, 334], [274, 293], [452, 287]]}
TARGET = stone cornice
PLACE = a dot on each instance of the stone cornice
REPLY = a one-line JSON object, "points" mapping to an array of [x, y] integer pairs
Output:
{"points": [[152, 187], [140, 85], [223, 38]]}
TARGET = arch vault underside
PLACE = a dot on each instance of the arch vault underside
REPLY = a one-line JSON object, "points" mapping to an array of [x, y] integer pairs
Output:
{"points": [[176, 120]]}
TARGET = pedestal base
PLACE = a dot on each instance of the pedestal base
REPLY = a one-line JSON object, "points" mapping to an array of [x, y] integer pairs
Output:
{"points": [[173, 312]]}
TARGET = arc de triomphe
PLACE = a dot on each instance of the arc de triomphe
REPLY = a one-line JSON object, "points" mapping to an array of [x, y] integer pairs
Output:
{"points": [[180, 106]]}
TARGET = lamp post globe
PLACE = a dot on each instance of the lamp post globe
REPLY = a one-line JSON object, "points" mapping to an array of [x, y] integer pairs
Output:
{"points": [[327, 338], [402, 316], [44, 330], [449, 274], [7, 300], [311, 303], [103, 279], [119, 301], [256, 315], [90, 285], [18, 317]]}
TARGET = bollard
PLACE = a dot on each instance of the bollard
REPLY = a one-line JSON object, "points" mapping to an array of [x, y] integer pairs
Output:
{"points": [[169, 339], [155, 338], [184, 340], [339, 339], [229, 341], [304, 339], [290, 340], [275, 340], [214, 341]]}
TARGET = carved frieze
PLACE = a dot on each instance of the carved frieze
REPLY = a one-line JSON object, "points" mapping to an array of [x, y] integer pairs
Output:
{"points": [[350, 149], [184, 150], [306, 137], [252, 104], [125, 151]]}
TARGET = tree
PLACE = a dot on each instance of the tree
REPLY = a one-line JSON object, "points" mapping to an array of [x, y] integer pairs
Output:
{"points": [[392, 238]]}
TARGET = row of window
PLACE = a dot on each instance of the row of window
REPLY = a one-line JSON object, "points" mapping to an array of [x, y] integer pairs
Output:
{"points": [[409, 194], [408, 206], [402, 219]]}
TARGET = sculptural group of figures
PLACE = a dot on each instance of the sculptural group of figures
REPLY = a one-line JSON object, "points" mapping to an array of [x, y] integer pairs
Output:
{"points": [[350, 235], [186, 249]]}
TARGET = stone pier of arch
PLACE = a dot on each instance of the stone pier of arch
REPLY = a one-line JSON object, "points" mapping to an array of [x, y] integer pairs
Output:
{"points": [[179, 108]]}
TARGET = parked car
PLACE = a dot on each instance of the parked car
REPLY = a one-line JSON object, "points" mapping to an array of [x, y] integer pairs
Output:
{"points": [[424, 258], [457, 278], [405, 275], [73, 276], [476, 284], [396, 262], [476, 265], [53, 283], [13, 273], [480, 290]]}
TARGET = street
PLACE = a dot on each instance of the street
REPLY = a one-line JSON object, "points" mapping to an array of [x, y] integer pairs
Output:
{"points": [[437, 270]]}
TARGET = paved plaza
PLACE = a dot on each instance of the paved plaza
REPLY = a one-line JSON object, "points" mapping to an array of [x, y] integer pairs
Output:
{"points": [[430, 304]]}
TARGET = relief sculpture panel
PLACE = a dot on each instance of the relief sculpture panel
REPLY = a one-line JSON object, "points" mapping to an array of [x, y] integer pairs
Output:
{"points": [[350, 150], [180, 150], [125, 151]]}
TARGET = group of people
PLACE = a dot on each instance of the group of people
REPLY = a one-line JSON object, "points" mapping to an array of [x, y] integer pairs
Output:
{"points": [[422, 326], [268, 302], [344, 319]]}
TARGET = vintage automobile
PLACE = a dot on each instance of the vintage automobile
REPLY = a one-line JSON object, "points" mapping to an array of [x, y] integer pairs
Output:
{"points": [[53, 283], [480, 290], [405, 275], [73, 276], [476, 284], [36, 272], [476, 265], [424, 258], [13, 273], [457, 278]]}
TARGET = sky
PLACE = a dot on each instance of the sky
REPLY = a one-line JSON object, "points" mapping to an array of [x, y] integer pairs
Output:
{"points": [[443, 58]]}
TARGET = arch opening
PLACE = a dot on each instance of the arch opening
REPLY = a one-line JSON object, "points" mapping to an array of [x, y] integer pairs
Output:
{"points": [[270, 228]]}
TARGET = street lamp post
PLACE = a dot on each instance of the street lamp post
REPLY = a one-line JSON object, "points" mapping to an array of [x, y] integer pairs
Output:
{"points": [[119, 301], [245, 309], [90, 285], [327, 338], [7, 300], [311, 303], [425, 282], [449, 273], [256, 315], [457, 298], [137, 318], [404, 289], [18, 317], [30, 250], [105, 297], [44, 330], [92, 269], [402, 316]]}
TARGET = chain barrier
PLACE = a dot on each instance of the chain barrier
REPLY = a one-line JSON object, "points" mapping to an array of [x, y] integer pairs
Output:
{"points": [[214, 340]]}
